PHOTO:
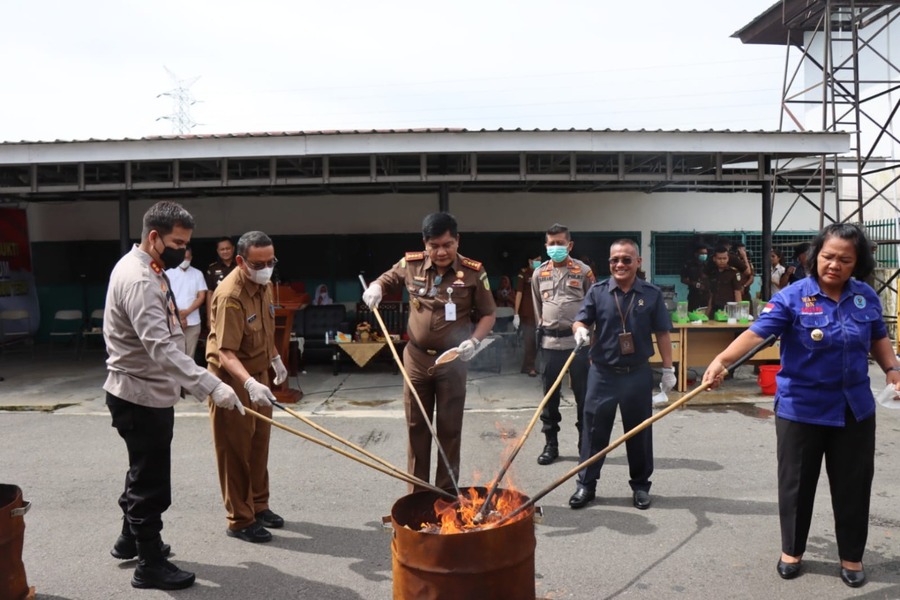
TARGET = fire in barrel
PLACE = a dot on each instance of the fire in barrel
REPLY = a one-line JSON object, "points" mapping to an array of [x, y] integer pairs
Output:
{"points": [[440, 551]]}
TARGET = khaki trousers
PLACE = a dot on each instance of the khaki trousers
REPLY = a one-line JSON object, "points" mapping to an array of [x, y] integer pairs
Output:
{"points": [[242, 454]]}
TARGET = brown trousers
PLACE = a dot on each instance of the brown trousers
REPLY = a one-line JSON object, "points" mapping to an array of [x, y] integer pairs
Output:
{"points": [[242, 454], [443, 393]]}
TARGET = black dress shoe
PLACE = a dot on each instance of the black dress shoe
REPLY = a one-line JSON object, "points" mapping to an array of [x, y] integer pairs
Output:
{"points": [[267, 518], [853, 578], [125, 548], [550, 453], [581, 497], [641, 499], [255, 534], [787, 570]]}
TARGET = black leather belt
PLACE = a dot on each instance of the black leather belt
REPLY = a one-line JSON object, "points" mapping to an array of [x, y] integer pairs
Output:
{"points": [[558, 333], [620, 370], [428, 351]]}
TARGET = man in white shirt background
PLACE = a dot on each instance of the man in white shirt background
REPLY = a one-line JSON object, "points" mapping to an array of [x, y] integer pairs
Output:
{"points": [[189, 287]]}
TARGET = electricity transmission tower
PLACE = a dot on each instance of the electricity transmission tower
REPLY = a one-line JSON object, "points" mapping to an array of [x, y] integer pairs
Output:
{"points": [[182, 100]]}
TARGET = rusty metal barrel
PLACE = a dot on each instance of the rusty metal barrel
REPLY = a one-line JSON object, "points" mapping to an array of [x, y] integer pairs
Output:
{"points": [[488, 564], [13, 584]]}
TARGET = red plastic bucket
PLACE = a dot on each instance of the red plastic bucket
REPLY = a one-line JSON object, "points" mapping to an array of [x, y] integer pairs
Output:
{"points": [[766, 379]]}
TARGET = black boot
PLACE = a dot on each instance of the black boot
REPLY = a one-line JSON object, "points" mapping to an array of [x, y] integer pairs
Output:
{"points": [[125, 547], [551, 451], [154, 571]]}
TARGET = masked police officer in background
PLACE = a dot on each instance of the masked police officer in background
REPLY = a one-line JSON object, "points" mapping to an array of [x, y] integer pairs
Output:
{"points": [[447, 292], [147, 369], [558, 287]]}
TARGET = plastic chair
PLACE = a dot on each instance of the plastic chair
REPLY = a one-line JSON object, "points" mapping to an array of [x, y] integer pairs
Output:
{"points": [[15, 328], [503, 327], [66, 327], [93, 330]]}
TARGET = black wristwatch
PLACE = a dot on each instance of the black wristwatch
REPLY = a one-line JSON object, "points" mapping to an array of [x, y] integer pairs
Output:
{"points": [[889, 369]]}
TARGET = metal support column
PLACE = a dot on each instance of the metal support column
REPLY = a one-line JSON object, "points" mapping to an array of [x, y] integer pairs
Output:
{"points": [[124, 220], [766, 274]]}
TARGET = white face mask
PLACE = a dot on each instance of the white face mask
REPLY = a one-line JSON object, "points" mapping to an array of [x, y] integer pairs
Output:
{"points": [[185, 264], [261, 276]]}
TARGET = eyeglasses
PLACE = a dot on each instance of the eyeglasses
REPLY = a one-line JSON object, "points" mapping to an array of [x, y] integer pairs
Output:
{"points": [[625, 260], [259, 266]]}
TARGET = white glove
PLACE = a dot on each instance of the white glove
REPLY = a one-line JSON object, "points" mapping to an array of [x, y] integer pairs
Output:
{"points": [[466, 350], [224, 397], [583, 336], [516, 322], [372, 295], [667, 383], [259, 394], [281, 372]]}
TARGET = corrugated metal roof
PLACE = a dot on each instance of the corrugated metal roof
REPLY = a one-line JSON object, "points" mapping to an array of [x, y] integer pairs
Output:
{"points": [[326, 132]]}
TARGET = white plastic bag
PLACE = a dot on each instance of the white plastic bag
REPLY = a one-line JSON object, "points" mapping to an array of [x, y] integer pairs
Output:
{"points": [[660, 398], [889, 397]]}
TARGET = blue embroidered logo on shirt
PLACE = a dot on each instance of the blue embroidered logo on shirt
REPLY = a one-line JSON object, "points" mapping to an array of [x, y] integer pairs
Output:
{"points": [[859, 301]]}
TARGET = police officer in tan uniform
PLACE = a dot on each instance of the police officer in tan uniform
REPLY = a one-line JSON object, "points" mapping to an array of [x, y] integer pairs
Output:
{"points": [[447, 293], [724, 281], [147, 371], [558, 288], [240, 350]]}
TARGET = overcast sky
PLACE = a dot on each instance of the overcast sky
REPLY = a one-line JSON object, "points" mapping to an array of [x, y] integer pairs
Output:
{"points": [[80, 69]]}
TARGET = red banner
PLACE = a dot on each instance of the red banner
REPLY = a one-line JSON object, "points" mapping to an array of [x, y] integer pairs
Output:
{"points": [[15, 253]]}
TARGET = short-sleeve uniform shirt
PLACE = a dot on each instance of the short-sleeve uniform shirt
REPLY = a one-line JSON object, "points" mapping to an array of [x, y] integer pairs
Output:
{"points": [[243, 321], [824, 350], [465, 284]]}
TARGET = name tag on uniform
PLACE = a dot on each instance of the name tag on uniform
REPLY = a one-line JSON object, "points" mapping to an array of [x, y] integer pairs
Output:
{"points": [[626, 343], [450, 312], [251, 318]]}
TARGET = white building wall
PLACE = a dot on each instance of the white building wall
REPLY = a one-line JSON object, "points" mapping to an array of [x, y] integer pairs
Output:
{"points": [[403, 213]]}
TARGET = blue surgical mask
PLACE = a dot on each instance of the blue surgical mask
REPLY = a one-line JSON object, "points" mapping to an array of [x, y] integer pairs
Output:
{"points": [[557, 253], [701, 257], [535, 264]]}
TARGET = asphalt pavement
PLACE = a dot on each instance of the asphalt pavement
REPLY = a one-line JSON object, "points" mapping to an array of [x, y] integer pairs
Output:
{"points": [[712, 531]]}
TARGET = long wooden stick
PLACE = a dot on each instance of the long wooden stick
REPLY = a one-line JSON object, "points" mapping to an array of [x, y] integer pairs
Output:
{"points": [[633, 432], [395, 474], [345, 442], [485, 506], [412, 388]]}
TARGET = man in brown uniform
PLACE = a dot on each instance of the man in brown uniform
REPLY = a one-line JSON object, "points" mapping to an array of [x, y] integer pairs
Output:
{"points": [[219, 270], [558, 290], [724, 281], [240, 349], [525, 314], [447, 293]]}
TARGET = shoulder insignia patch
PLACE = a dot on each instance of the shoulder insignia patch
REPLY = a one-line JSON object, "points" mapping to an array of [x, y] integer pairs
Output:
{"points": [[156, 268], [413, 256], [472, 264], [232, 304]]}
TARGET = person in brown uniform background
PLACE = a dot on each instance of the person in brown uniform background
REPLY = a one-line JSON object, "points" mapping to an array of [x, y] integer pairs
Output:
{"points": [[240, 349], [724, 281], [525, 314], [447, 293]]}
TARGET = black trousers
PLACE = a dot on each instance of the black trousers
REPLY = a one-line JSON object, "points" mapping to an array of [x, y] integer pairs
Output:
{"points": [[632, 394], [553, 364], [849, 453], [148, 483]]}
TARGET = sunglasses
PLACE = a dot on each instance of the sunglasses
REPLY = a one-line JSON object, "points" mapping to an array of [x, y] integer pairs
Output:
{"points": [[625, 260]]}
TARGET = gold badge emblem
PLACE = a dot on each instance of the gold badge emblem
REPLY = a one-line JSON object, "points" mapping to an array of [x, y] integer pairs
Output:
{"points": [[817, 335], [459, 274]]}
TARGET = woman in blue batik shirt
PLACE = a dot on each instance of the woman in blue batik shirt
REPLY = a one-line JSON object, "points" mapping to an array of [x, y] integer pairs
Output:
{"points": [[829, 322]]}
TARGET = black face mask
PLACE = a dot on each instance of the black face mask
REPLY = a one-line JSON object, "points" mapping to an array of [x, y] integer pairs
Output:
{"points": [[172, 257]]}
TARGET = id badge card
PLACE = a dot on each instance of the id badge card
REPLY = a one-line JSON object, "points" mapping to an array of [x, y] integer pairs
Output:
{"points": [[626, 343], [450, 312]]}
